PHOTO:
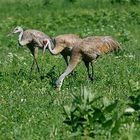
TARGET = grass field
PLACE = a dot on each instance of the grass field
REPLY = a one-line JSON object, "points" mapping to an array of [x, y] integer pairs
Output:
{"points": [[31, 109]]}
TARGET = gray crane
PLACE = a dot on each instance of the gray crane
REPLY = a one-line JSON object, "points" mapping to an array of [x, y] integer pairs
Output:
{"points": [[30, 38]]}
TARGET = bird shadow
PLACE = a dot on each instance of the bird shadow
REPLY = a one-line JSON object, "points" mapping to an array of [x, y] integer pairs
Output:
{"points": [[51, 75]]}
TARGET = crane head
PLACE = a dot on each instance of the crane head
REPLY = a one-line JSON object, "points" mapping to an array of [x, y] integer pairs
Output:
{"points": [[45, 44], [18, 29]]}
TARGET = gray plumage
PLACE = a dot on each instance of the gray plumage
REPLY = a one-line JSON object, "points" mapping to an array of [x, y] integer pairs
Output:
{"points": [[31, 39]]}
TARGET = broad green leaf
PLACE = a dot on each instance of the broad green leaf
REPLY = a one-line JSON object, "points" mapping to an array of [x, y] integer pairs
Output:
{"points": [[67, 111], [102, 118], [108, 124], [97, 114], [106, 101], [75, 134], [111, 107], [95, 99], [116, 127], [68, 122]]}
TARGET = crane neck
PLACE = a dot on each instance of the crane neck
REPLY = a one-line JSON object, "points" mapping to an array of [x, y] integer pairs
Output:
{"points": [[51, 47], [20, 35], [52, 42]]}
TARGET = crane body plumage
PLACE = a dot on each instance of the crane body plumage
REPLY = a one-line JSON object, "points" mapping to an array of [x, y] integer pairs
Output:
{"points": [[62, 44], [31, 39], [88, 50]]}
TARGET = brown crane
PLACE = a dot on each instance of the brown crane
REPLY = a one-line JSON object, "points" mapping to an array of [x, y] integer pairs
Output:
{"points": [[88, 50]]}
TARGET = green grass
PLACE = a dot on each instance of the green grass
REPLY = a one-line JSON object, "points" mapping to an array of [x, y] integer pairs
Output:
{"points": [[33, 109]]}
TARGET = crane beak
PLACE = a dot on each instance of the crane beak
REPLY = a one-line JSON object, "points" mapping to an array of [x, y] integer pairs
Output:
{"points": [[44, 49], [10, 34]]}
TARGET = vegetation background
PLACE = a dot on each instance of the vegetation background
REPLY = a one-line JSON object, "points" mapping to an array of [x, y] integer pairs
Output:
{"points": [[31, 108]]}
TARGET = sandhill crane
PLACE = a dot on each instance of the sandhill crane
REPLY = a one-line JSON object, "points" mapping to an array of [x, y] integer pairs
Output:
{"points": [[62, 44], [88, 50], [30, 38]]}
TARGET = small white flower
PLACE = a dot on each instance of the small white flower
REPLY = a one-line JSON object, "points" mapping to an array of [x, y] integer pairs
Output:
{"points": [[129, 56], [10, 55], [23, 100], [118, 57]]}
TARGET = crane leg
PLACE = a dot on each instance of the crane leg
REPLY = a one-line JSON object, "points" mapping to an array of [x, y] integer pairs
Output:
{"points": [[34, 52], [66, 59], [37, 65], [34, 61], [32, 68], [88, 70], [35, 58], [74, 60], [92, 77]]}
